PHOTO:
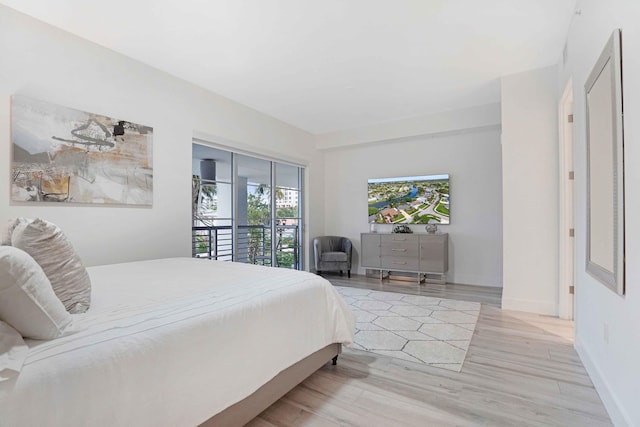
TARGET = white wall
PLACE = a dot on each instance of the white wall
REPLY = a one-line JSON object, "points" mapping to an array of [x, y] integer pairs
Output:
{"points": [[612, 365], [530, 191], [45, 63], [471, 157]]}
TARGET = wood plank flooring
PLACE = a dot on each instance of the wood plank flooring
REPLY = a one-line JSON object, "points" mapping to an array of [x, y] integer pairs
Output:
{"points": [[521, 370], [482, 294]]}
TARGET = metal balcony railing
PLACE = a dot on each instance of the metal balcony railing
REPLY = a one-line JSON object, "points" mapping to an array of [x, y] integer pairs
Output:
{"points": [[253, 244]]}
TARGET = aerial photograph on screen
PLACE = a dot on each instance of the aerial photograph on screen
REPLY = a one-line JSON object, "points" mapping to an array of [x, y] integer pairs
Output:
{"points": [[409, 200]]}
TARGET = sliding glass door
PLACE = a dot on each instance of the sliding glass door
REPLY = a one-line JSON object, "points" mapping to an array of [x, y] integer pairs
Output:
{"points": [[246, 208]]}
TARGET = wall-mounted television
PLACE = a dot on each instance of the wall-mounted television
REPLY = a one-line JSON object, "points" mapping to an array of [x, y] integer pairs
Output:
{"points": [[409, 200]]}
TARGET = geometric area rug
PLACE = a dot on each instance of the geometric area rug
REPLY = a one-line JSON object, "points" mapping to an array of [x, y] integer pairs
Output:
{"points": [[416, 328]]}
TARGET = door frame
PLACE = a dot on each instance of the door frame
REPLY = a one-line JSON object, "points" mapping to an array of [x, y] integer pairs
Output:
{"points": [[566, 239]]}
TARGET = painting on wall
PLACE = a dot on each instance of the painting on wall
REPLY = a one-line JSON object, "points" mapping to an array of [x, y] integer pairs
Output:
{"points": [[70, 156]]}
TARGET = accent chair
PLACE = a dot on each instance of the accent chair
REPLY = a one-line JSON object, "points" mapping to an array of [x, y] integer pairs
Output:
{"points": [[332, 253]]}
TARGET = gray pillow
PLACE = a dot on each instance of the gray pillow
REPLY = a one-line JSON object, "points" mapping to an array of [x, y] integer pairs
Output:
{"points": [[48, 245], [27, 301]]}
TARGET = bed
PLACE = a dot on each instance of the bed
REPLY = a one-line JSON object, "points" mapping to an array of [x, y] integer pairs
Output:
{"points": [[179, 342]]}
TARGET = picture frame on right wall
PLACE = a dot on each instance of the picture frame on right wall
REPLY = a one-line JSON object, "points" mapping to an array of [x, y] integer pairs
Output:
{"points": [[605, 168]]}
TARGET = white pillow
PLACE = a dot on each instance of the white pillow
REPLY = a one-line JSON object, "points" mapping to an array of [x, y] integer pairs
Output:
{"points": [[7, 230], [13, 351], [48, 245], [27, 301]]}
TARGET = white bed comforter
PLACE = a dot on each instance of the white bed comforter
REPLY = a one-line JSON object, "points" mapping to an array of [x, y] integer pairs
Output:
{"points": [[172, 342]]}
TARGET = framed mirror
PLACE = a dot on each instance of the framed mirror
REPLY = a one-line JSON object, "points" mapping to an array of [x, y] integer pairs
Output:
{"points": [[605, 173]]}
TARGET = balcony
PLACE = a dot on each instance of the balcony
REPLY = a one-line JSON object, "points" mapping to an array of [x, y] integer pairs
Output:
{"points": [[253, 244]]}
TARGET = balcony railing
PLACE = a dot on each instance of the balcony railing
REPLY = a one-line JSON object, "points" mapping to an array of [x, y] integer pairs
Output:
{"points": [[253, 244]]}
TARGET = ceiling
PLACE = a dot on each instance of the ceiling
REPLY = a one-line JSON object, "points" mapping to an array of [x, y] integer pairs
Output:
{"points": [[327, 65]]}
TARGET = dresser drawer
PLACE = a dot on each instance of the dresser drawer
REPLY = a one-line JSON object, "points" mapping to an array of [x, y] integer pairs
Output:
{"points": [[400, 263], [400, 249], [399, 237], [400, 245]]}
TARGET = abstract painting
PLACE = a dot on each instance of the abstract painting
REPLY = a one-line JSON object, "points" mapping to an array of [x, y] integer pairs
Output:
{"points": [[71, 156]]}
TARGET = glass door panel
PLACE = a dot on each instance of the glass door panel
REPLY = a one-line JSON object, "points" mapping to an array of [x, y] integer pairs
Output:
{"points": [[212, 203], [288, 216], [254, 234]]}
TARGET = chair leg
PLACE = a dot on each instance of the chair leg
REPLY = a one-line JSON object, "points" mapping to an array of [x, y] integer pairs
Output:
{"points": [[349, 274], [341, 272]]}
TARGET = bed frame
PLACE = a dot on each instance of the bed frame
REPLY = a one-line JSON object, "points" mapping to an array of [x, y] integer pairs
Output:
{"points": [[247, 409]]}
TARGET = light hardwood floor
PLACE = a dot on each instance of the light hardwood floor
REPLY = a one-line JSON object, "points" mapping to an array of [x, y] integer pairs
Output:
{"points": [[520, 370]]}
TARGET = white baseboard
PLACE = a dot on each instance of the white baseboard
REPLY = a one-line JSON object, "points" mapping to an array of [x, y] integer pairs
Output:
{"points": [[618, 415], [461, 279], [530, 306]]}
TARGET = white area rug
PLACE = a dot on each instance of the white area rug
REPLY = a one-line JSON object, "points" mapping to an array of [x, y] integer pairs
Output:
{"points": [[421, 329]]}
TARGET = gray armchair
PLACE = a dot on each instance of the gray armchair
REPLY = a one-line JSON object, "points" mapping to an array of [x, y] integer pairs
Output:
{"points": [[332, 253]]}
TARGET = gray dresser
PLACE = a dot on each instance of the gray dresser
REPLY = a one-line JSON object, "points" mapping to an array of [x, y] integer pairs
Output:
{"points": [[424, 254]]}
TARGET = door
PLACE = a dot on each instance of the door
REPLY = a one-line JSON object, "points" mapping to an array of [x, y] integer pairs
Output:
{"points": [[370, 256]]}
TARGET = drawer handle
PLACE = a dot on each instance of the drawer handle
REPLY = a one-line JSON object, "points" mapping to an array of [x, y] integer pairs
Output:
{"points": [[398, 262], [399, 250], [399, 240]]}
